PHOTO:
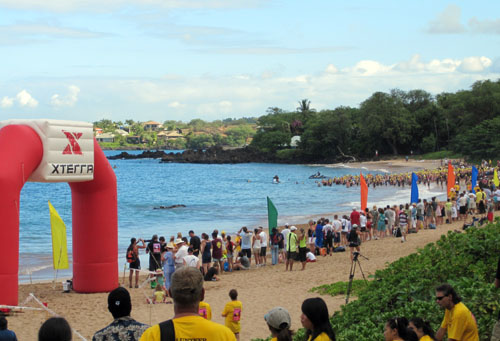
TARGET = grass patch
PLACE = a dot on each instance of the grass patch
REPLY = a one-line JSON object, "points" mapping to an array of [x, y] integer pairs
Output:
{"points": [[340, 288]]}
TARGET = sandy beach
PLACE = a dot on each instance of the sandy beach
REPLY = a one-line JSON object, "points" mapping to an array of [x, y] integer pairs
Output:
{"points": [[260, 289]]}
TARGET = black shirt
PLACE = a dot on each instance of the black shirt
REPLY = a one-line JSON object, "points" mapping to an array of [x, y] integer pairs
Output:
{"points": [[195, 243]]}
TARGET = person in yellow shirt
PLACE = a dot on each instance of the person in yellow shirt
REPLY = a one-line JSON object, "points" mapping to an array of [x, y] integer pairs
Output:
{"points": [[187, 291], [279, 322], [316, 320], [458, 321], [422, 328], [204, 310], [232, 313]]}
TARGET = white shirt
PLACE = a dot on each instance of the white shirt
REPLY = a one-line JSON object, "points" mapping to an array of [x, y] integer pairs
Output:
{"points": [[263, 239], [310, 256], [180, 254], [337, 225], [191, 260], [327, 228], [285, 233], [362, 220]]}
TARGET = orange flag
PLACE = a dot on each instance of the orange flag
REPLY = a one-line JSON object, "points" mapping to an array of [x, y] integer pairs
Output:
{"points": [[364, 192], [451, 178]]}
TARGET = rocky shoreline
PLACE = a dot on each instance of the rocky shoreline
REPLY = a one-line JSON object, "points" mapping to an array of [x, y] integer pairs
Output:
{"points": [[215, 155]]}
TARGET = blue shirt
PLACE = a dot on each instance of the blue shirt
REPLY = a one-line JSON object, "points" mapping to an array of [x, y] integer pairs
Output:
{"points": [[319, 235], [7, 335]]}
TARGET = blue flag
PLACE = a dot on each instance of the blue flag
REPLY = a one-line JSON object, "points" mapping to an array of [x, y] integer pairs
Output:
{"points": [[414, 188], [474, 178]]}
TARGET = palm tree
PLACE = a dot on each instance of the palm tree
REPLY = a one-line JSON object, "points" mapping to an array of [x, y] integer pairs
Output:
{"points": [[305, 109]]}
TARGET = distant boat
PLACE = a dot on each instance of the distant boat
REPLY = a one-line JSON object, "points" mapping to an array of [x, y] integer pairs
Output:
{"points": [[317, 176]]}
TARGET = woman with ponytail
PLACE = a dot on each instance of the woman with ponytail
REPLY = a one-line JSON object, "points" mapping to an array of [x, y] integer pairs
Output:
{"points": [[396, 329]]}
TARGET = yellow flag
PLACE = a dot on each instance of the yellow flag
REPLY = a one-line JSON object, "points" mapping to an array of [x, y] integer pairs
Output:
{"points": [[495, 178], [59, 245]]}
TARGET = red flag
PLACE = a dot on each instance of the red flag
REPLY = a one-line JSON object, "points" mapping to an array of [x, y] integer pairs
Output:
{"points": [[364, 192], [451, 178]]}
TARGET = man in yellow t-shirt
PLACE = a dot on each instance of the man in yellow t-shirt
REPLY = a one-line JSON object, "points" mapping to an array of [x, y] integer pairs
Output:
{"points": [[291, 248], [187, 291], [458, 320], [232, 313]]}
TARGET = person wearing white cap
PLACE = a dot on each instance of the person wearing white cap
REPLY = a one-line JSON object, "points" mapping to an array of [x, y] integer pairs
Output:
{"points": [[182, 251], [279, 322], [291, 248]]}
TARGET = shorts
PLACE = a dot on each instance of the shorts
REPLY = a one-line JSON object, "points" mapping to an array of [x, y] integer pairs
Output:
{"points": [[229, 255], [256, 251], [463, 209], [217, 260], [247, 252], [363, 228], [353, 244], [310, 240], [263, 251], [291, 255], [420, 217], [302, 254], [135, 264]]}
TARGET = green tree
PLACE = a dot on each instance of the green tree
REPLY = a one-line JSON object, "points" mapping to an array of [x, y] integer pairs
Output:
{"points": [[387, 124], [305, 109]]}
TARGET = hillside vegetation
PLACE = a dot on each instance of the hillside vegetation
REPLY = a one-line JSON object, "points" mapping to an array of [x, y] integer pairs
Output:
{"points": [[463, 124]]}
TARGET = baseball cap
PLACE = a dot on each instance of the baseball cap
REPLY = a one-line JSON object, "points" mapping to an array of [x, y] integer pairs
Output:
{"points": [[287, 224], [293, 228], [354, 208], [278, 318], [119, 302], [354, 226]]}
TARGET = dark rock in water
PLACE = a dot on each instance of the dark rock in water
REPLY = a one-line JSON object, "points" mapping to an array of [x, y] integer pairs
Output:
{"points": [[222, 156], [147, 154], [168, 207]]}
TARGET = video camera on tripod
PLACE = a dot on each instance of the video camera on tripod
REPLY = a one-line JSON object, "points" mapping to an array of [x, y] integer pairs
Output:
{"points": [[355, 261]]}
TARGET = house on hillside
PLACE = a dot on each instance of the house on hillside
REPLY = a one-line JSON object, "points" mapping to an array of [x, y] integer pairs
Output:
{"points": [[134, 139], [105, 137], [121, 132], [169, 135], [294, 141], [152, 125]]}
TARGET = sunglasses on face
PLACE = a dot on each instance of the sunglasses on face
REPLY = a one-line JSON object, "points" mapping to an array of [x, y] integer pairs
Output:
{"points": [[439, 298]]}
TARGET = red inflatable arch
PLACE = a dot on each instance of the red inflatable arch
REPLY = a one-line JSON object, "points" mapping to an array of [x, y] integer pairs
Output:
{"points": [[94, 205]]}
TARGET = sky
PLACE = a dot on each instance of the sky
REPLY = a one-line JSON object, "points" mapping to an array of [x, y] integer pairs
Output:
{"points": [[87, 60]]}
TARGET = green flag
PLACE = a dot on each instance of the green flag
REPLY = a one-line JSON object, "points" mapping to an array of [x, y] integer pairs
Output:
{"points": [[272, 215]]}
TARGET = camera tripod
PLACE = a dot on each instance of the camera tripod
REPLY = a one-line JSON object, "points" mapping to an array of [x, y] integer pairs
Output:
{"points": [[355, 261]]}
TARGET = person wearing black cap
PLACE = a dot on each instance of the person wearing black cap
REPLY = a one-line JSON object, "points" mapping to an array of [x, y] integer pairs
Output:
{"points": [[123, 327]]}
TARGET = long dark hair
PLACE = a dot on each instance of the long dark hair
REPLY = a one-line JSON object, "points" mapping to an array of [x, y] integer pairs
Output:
{"points": [[401, 324], [447, 289], [317, 312], [424, 325], [55, 329], [284, 334]]}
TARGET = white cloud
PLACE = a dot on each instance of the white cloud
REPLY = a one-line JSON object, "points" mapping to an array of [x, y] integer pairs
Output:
{"points": [[7, 102], [447, 21], [175, 104], [66, 101], [484, 26], [475, 64], [331, 69], [368, 68], [26, 100], [225, 104]]}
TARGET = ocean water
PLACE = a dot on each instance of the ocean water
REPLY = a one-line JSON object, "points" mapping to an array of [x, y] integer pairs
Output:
{"points": [[225, 197]]}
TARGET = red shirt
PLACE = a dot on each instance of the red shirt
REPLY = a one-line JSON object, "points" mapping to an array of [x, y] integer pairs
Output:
{"points": [[355, 218]]}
